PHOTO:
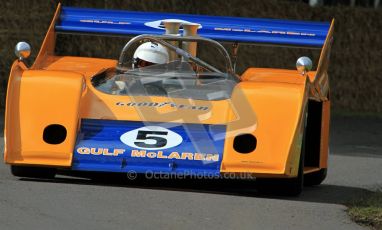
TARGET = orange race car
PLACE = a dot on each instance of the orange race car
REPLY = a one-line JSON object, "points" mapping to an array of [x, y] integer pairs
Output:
{"points": [[162, 109]]}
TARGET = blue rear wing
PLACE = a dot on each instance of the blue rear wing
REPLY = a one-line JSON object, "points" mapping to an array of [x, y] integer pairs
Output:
{"points": [[231, 29]]}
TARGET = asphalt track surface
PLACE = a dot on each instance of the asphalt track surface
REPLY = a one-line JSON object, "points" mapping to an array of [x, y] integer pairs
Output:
{"points": [[78, 203]]}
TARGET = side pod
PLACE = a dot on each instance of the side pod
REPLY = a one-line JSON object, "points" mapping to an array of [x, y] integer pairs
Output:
{"points": [[279, 112], [41, 116]]}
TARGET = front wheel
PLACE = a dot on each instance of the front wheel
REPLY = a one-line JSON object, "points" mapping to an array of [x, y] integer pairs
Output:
{"points": [[33, 172], [283, 186], [315, 178]]}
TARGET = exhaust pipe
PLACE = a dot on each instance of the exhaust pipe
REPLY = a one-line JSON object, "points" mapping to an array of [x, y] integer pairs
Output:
{"points": [[172, 28], [190, 29]]}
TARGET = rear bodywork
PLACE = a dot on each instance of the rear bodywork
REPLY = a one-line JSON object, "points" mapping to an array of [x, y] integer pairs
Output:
{"points": [[271, 104]]}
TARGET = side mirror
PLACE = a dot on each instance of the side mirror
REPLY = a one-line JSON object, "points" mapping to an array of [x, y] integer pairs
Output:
{"points": [[22, 50], [304, 65]]}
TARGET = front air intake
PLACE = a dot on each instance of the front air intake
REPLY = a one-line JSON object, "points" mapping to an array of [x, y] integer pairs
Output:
{"points": [[54, 134], [244, 143]]}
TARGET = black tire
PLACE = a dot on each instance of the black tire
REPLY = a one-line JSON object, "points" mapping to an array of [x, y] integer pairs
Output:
{"points": [[315, 178], [283, 186], [33, 172]]}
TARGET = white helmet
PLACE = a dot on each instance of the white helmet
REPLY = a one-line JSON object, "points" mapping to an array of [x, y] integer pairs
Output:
{"points": [[151, 52]]}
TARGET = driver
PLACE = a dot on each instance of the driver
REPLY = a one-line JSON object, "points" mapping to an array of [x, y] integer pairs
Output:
{"points": [[150, 53]]}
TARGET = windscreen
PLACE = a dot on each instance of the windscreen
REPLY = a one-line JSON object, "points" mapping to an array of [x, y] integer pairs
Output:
{"points": [[176, 79]]}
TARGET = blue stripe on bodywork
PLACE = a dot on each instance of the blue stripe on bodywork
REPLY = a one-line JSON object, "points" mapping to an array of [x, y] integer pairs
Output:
{"points": [[106, 134], [235, 29]]}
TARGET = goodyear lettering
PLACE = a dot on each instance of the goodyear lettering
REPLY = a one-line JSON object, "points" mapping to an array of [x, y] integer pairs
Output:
{"points": [[100, 151], [175, 155], [162, 104]]}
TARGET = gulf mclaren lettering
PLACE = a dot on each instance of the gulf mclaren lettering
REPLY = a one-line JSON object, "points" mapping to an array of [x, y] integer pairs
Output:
{"points": [[100, 151], [175, 155], [150, 154]]}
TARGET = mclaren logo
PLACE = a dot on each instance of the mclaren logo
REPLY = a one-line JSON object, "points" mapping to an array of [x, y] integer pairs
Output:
{"points": [[162, 104], [175, 155]]}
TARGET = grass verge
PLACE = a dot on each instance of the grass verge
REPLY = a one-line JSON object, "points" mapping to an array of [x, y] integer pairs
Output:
{"points": [[367, 210]]}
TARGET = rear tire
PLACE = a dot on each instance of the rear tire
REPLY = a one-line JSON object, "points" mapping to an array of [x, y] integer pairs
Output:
{"points": [[33, 172], [315, 178]]}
